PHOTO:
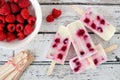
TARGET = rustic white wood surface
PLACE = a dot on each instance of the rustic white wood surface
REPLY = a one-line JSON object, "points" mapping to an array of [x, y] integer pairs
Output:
{"points": [[41, 43]]}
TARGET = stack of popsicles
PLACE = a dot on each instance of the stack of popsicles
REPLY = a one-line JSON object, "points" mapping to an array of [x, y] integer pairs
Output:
{"points": [[88, 55]]}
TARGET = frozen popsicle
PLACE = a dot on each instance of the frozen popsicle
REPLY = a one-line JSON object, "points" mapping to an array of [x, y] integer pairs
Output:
{"points": [[60, 45], [100, 57], [59, 48], [96, 23], [81, 40], [79, 66]]}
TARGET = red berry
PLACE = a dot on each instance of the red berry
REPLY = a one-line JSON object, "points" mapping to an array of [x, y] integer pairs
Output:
{"points": [[19, 27], [24, 3], [10, 37], [15, 1], [31, 20], [19, 18], [20, 36], [2, 27], [56, 13], [14, 8], [5, 9], [25, 13], [10, 18], [2, 2], [11, 1], [2, 36], [28, 29], [2, 19], [11, 27], [50, 18]]}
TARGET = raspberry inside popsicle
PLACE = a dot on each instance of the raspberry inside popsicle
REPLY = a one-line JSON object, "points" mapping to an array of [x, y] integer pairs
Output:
{"points": [[81, 40], [98, 24], [60, 46]]}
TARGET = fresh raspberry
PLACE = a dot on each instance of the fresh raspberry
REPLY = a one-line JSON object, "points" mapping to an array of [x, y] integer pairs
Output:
{"points": [[56, 13], [19, 18], [2, 27], [11, 27], [21, 36], [11, 1], [31, 20], [10, 18], [24, 3], [28, 29], [25, 13], [19, 27], [10, 37], [2, 19], [2, 2], [2, 36], [50, 18], [5, 9], [16, 1], [14, 8]]}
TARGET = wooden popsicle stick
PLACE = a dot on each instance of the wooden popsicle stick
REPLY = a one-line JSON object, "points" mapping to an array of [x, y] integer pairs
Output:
{"points": [[16, 74], [51, 68], [107, 50], [31, 58], [10, 67], [77, 9]]}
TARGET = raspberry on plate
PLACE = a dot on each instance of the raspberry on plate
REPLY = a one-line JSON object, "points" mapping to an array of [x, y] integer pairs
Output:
{"points": [[19, 27], [2, 27], [11, 27], [24, 3], [2, 2], [21, 36], [10, 18], [14, 8], [31, 20], [19, 18], [2, 19], [25, 13], [10, 37]]}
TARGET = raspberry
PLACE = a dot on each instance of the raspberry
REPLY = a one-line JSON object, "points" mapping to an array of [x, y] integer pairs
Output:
{"points": [[10, 37], [24, 3], [14, 8], [2, 19], [10, 18], [11, 27], [2, 2], [50, 18], [20, 36], [15, 1], [25, 13], [28, 29], [11, 1], [19, 27], [2, 27], [56, 13], [2, 36], [19, 18], [31, 20], [5, 9]]}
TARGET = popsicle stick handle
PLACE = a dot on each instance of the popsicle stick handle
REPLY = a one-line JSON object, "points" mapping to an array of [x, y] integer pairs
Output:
{"points": [[77, 9], [111, 48], [51, 68], [91, 63]]}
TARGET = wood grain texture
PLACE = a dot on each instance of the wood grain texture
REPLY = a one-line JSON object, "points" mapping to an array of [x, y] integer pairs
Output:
{"points": [[41, 44], [111, 13], [63, 72], [81, 1]]}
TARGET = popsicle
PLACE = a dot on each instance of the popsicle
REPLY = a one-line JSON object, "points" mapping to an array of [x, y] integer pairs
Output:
{"points": [[59, 48], [96, 23], [100, 57], [81, 40]]}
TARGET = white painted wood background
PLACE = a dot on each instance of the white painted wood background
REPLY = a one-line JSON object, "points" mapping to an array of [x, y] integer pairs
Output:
{"points": [[40, 45]]}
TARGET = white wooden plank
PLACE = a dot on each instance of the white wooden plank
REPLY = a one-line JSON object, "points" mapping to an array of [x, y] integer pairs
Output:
{"points": [[112, 14], [5, 54], [41, 44], [80, 1], [63, 72]]}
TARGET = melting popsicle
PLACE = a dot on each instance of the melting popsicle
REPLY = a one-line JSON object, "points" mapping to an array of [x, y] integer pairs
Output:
{"points": [[81, 40], [96, 23]]}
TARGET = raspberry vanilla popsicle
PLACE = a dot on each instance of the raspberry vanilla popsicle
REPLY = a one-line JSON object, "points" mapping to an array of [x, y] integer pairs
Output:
{"points": [[98, 24], [60, 46], [81, 40]]}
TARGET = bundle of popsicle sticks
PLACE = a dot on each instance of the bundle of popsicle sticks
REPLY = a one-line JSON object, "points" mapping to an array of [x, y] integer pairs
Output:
{"points": [[13, 69], [88, 54]]}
